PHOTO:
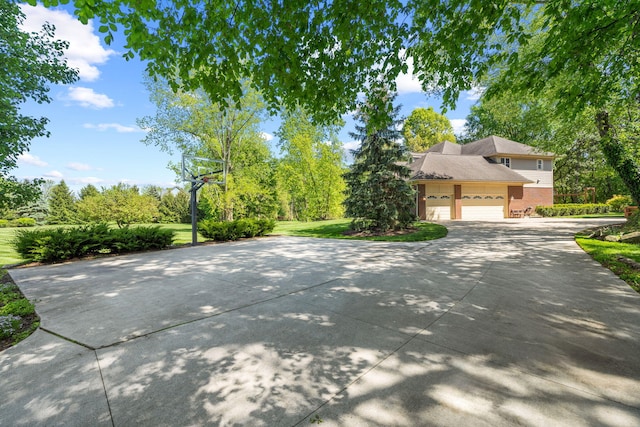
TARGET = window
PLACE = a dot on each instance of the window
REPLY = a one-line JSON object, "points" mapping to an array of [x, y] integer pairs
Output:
{"points": [[505, 161], [540, 164]]}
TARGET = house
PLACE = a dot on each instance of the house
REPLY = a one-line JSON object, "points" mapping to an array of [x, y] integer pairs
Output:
{"points": [[490, 178]]}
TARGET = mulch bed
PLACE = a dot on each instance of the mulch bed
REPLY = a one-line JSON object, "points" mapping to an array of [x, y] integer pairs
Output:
{"points": [[380, 233]]}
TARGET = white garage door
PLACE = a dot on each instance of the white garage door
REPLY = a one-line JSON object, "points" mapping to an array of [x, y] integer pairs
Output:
{"points": [[439, 199], [483, 202]]}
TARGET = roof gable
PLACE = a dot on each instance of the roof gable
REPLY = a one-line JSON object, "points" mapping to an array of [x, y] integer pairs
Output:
{"points": [[495, 145], [446, 147]]}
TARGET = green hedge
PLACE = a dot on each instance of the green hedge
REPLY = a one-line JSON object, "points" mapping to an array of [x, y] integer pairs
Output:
{"points": [[59, 244], [573, 209], [233, 230], [619, 202], [20, 222]]}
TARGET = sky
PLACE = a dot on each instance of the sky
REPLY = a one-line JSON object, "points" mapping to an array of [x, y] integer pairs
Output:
{"points": [[94, 138]]}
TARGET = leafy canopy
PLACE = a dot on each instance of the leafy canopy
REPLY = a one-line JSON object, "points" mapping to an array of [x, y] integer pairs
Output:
{"points": [[30, 62], [310, 169], [322, 53], [319, 53], [425, 128]]}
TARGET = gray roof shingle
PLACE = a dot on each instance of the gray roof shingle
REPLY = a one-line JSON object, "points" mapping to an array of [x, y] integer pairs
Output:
{"points": [[438, 166], [446, 147], [495, 145]]}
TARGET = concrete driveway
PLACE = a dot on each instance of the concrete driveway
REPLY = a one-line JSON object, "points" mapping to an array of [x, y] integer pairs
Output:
{"points": [[499, 324]]}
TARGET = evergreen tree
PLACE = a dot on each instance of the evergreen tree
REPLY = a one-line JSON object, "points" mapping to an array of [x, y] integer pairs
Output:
{"points": [[174, 208], [379, 197], [62, 205], [38, 209], [154, 191], [88, 191]]}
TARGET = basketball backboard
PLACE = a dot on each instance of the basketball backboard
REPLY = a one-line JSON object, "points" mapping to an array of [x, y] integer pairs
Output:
{"points": [[202, 170]]}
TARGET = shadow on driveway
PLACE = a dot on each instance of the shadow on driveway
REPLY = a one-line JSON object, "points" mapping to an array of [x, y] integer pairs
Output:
{"points": [[497, 324]]}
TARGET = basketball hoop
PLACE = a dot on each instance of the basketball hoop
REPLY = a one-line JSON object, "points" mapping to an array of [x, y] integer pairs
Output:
{"points": [[200, 171]]}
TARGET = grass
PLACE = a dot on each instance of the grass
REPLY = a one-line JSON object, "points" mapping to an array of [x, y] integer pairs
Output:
{"points": [[602, 215], [7, 254], [334, 229], [18, 318], [607, 253]]}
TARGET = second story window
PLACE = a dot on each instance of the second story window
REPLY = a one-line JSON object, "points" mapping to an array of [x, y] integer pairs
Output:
{"points": [[540, 164], [506, 161]]}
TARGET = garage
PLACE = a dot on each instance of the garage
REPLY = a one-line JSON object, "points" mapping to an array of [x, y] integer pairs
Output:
{"points": [[438, 202], [484, 201]]}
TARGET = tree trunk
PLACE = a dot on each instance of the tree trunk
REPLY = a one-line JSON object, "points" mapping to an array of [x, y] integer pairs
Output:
{"points": [[617, 156]]}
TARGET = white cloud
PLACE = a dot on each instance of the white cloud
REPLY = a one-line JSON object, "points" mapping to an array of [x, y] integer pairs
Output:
{"points": [[102, 127], [85, 50], [86, 180], [78, 166], [407, 82], [475, 93], [266, 136], [86, 97], [458, 125], [28, 159], [54, 174], [351, 145]]}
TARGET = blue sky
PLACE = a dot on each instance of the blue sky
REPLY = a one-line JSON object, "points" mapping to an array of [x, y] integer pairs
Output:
{"points": [[94, 138]]}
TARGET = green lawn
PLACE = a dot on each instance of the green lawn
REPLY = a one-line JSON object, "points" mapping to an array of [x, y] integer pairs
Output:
{"points": [[7, 254], [334, 229], [607, 253]]}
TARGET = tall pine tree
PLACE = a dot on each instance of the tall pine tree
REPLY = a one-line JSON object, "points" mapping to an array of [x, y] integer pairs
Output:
{"points": [[379, 197], [62, 205]]}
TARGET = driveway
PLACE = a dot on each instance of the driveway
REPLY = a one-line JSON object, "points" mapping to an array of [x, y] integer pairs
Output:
{"points": [[499, 324]]}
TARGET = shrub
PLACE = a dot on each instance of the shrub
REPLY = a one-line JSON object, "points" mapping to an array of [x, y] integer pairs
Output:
{"points": [[573, 209], [9, 324], [23, 222], [265, 226], [139, 239], [4, 223], [21, 307], [619, 202], [633, 222], [59, 244], [234, 230]]}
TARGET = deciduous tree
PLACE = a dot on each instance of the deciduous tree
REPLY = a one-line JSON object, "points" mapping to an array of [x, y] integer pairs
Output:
{"points": [[310, 169], [322, 53], [580, 162], [425, 128], [121, 204], [190, 123], [30, 63]]}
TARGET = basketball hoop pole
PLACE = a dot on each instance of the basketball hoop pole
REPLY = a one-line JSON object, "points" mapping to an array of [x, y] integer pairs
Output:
{"points": [[197, 180]]}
